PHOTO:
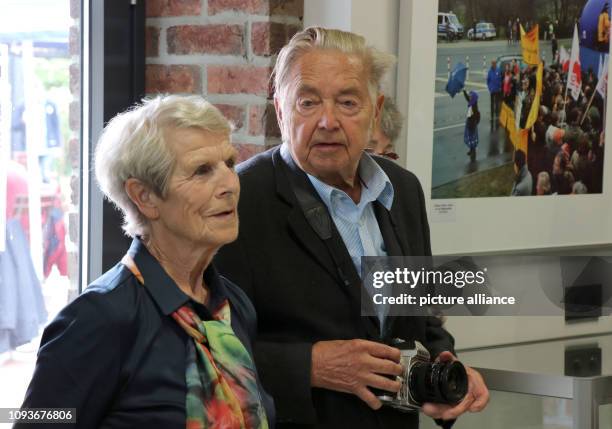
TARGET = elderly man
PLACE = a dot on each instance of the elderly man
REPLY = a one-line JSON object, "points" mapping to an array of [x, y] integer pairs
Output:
{"points": [[387, 130], [311, 209]]}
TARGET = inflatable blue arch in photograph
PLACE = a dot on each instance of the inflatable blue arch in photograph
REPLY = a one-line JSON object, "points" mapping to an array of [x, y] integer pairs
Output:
{"points": [[591, 54]]}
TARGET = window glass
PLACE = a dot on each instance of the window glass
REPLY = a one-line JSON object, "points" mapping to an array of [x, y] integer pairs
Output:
{"points": [[39, 183]]}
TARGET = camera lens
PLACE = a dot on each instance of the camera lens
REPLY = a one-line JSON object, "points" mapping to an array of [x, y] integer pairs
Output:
{"points": [[439, 382], [453, 382]]}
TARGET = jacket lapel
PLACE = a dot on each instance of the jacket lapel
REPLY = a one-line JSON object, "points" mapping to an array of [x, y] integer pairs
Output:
{"points": [[307, 237], [298, 224], [393, 242], [394, 246]]}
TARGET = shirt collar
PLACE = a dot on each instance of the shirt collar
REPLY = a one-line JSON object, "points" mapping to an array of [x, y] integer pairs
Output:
{"points": [[164, 291], [376, 185]]}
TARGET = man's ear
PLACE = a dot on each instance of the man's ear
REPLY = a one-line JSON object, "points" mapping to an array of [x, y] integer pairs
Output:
{"points": [[143, 197], [375, 122], [279, 114], [378, 108]]}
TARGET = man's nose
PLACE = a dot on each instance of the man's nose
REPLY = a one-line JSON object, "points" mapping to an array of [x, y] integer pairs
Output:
{"points": [[329, 117]]}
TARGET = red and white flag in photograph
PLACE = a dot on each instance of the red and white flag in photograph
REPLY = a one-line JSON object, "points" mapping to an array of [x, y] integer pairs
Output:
{"points": [[574, 78], [564, 59], [602, 83]]}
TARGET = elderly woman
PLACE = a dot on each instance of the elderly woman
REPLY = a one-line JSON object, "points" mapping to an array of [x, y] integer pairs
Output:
{"points": [[160, 340]]}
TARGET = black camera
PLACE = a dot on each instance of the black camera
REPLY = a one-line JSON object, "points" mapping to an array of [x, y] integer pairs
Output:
{"points": [[425, 381]]}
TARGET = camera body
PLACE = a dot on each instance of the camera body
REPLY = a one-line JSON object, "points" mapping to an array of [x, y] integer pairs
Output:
{"points": [[423, 380]]}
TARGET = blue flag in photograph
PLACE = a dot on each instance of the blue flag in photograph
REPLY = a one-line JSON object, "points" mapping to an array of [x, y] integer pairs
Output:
{"points": [[456, 81]]}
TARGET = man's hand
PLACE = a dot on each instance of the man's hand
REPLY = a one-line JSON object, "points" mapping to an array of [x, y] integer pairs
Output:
{"points": [[352, 366], [475, 400]]}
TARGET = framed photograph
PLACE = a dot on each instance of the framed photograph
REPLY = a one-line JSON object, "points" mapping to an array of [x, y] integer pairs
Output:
{"points": [[505, 124]]}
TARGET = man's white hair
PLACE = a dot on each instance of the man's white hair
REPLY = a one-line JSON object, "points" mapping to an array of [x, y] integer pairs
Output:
{"points": [[133, 145], [376, 63]]}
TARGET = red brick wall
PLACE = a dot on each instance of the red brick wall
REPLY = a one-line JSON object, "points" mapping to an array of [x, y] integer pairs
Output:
{"points": [[224, 50]]}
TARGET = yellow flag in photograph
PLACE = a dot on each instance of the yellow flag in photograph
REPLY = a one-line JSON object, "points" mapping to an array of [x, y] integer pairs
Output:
{"points": [[506, 117], [531, 46], [535, 106], [518, 138], [521, 143], [506, 120]]}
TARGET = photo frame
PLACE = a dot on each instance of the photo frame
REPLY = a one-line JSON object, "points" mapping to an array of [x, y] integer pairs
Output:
{"points": [[478, 225]]}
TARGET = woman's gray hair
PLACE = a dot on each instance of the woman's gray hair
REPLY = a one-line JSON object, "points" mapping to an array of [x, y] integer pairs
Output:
{"points": [[391, 120], [377, 63], [133, 145]]}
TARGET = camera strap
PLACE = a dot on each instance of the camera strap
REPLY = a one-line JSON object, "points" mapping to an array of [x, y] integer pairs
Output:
{"points": [[318, 218]]}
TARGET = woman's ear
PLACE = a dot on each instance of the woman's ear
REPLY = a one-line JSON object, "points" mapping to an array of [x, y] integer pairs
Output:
{"points": [[143, 197]]}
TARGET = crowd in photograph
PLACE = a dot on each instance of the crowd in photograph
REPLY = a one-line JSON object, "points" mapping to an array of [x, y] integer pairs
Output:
{"points": [[565, 149]]}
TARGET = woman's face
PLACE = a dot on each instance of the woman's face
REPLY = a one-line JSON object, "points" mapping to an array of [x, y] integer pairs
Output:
{"points": [[200, 206]]}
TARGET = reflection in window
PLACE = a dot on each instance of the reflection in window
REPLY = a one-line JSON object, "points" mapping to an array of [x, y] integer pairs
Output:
{"points": [[39, 166]]}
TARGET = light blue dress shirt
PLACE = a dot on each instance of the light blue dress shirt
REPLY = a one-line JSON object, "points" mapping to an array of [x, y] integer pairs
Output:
{"points": [[356, 222]]}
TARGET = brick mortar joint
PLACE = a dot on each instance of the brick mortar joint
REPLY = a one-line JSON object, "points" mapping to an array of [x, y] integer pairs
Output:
{"points": [[247, 41], [204, 83], [208, 25], [236, 99], [173, 21], [225, 15], [163, 42], [198, 59], [258, 140], [204, 10], [229, 18]]}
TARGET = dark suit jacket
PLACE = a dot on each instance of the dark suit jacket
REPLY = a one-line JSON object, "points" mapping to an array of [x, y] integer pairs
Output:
{"points": [[117, 356], [288, 273]]}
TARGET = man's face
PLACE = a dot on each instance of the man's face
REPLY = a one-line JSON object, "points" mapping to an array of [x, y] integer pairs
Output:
{"points": [[326, 114], [493, 64]]}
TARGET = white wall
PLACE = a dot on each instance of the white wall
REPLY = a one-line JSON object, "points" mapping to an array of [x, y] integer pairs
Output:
{"points": [[376, 21], [325, 13]]}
